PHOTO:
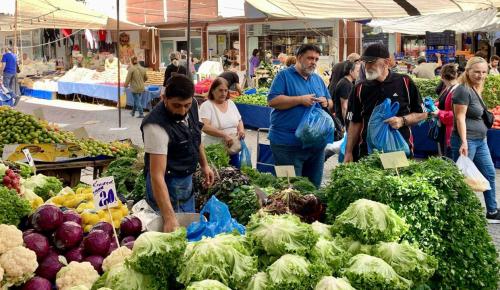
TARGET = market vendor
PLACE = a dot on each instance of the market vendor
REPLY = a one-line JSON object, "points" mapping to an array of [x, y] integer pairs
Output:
{"points": [[233, 81], [172, 143], [111, 62]]}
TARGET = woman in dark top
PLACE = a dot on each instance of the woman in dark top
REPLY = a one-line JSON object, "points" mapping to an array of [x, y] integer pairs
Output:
{"points": [[173, 68], [469, 130]]}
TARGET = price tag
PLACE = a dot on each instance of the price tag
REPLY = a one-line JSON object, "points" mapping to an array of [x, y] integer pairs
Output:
{"points": [[29, 159], [104, 193], [81, 133], [39, 114], [394, 160], [285, 171]]}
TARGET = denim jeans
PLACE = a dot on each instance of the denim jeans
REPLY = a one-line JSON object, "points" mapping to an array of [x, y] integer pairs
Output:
{"points": [[480, 154], [9, 81], [137, 104], [307, 162], [180, 190]]}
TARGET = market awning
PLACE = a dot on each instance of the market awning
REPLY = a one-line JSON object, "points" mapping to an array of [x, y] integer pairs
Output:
{"points": [[356, 9], [33, 14], [459, 22]]}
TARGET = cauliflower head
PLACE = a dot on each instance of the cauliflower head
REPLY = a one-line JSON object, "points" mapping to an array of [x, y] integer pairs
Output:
{"points": [[10, 237], [116, 257], [1, 273], [19, 265], [76, 274]]}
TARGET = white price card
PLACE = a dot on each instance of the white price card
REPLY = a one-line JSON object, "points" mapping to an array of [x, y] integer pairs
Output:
{"points": [[285, 171], [104, 193], [29, 159], [394, 160]]}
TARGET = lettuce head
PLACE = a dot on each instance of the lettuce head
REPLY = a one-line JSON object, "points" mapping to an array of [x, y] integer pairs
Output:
{"points": [[207, 285], [331, 283]]}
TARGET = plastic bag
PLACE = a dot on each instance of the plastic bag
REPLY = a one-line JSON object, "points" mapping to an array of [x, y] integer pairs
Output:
{"points": [[219, 221], [473, 176], [380, 135], [342, 149], [245, 157], [316, 129]]}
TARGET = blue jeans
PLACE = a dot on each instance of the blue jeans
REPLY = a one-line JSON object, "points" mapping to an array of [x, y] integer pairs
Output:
{"points": [[234, 160], [307, 162], [480, 154], [9, 81], [180, 190], [137, 104]]}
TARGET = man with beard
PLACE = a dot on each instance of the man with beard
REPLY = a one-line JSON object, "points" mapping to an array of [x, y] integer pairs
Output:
{"points": [[172, 143], [292, 92], [380, 84]]}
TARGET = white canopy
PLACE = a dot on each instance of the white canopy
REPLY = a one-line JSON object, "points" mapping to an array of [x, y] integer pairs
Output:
{"points": [[356, 9], [459, 21], [71, 14]]}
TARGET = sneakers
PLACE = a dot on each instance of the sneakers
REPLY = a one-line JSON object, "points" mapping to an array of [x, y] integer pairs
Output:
{"points": [[493, 218]]}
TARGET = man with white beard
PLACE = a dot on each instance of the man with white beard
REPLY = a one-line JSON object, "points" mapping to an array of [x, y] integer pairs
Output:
{"points": [[380, 84]]}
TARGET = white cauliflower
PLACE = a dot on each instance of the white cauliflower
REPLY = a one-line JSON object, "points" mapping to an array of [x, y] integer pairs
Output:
{"points": [[76, 274], [1, 274], [10, 237], [19, 264], [116, 257]]}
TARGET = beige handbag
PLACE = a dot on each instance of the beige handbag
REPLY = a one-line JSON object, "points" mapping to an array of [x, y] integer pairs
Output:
{"points": [[236, 147]]}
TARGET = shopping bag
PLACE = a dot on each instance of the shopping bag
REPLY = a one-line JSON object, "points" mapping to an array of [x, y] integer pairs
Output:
{"points": [[219, 221], [380, 135], [473, 176], [316, 129], [342, 149], [245, 157]]}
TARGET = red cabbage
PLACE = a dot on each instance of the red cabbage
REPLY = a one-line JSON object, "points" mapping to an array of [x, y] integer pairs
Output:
{"points": [[97, 242], [76, 254], [49, 267], [68, 235], [130, 226], [103, 226], [37, 243], [72, 216], [37, 283], [47, 218], [27, 232], [112, 246], [96, 262], [127, 239]]}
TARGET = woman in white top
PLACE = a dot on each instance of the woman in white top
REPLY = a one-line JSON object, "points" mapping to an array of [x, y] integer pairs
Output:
{"points": [[221, 119]]}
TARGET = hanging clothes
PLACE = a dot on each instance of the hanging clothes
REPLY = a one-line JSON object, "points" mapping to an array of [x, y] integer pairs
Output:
{"points": [[95, 38], [109, 39], [89, 38]]}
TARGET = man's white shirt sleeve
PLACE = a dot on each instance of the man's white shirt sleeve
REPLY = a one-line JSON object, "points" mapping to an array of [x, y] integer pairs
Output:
{"points": [[155, 139]]}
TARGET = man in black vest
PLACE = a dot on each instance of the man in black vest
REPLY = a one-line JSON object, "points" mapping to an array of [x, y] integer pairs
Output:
{"points": [[172, 142]]}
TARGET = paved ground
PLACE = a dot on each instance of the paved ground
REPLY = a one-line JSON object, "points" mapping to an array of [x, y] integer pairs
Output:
{"points": [[101, 122]]}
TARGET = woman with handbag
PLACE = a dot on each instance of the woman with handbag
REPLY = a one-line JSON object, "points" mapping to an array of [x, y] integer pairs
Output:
{"points": [[222, 121], [472, 120], [444, 114]]}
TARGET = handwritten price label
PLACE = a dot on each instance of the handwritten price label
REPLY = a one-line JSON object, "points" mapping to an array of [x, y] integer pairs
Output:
{"points": [[104, 190], [29, 159]]}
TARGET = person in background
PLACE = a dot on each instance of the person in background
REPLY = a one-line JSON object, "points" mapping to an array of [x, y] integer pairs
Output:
{"points": [[292, 92], [136, 76], [469, 130], [225, 59], [233, 81], [291, 60], [449, 77], [173, 150], [173, 68], [221, 118], [254, 62], [494, 65], [111, 62], [426, 70], [26, 60], [343, 89], [338, 71], [9, 70]]}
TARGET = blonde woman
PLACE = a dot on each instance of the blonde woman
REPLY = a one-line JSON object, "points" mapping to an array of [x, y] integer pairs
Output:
{"points": [[469, 130]]}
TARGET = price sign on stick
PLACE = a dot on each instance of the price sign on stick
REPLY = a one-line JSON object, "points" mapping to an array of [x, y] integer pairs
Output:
{"points": [[104, 193], [29, 159], [285, 171], [394, 160]]}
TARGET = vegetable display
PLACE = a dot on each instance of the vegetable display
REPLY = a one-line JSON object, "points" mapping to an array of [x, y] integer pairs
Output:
{"points": [[125, 171], [217, 156], [12, 207], [332, 283]]}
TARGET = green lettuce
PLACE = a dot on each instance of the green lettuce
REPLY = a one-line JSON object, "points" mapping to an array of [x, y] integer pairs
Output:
{"points": [[43, 186], [367, 272], [277, 235], [330, 253], [259, 281], [353, 247], [292, 272], [122, 277], [207, 285], [323, 230], [223, 258], [331, 283], [370, 222], [407, 260]]}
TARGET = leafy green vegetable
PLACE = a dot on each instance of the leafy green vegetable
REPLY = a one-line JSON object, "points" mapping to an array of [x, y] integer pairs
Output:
{"points": [[158, 253], [352, 246], [243, 202], [207, 285], [276, 235], [491, 92], [122, 170], [252, 99], [408, 261], [43, 186], [259, 281], [12, 207], [122, 277], [330, 253], [223, 258], [331, 283], [291, 272], [139, 191], [427, 87], [367, 272], [370, 222], [217, 155], [323, 230]]}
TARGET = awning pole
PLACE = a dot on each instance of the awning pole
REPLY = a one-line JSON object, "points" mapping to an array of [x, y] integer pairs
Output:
{"points": [[14, 50], [188, 39], [118, 54]]}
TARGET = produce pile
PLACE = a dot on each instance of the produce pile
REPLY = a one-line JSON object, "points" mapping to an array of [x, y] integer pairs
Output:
{"points": [[20, 128], [445, 216], [496, 113], [154, 78], [128, 176], [258, 99]]}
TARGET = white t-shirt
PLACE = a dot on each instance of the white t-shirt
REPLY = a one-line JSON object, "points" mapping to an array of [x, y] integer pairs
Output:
{"points": [[155, 139], [227, 122]]}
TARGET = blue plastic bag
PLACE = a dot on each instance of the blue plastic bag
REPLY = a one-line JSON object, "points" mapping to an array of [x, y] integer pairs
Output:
{"points": [[342, 149], [316, 129], [245, 157], [219, 221], [429, 105], [380, 135]]}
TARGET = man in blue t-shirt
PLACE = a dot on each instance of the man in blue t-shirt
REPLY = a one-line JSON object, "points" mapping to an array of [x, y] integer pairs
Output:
{"points": [[294, 90], [9, 68]]}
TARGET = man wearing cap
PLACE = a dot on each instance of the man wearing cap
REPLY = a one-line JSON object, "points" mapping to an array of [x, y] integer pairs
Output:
{"points": [[426, 70], [380, 84]]}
